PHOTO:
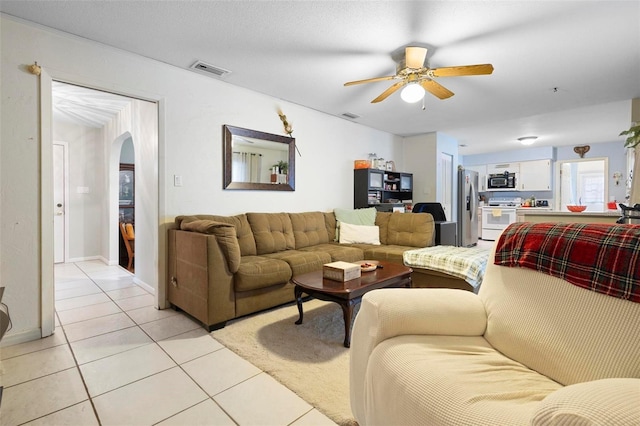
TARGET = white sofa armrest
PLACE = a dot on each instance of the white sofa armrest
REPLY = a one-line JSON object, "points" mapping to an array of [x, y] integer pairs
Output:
{"points": [[387, 313], [599, 402]]}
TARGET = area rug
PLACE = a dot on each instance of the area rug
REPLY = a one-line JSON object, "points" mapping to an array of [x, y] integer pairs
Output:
{"points": [[309, 358]]}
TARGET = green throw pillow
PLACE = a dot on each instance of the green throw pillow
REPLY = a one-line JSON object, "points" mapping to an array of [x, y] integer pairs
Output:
{"points": [[365, 216]]}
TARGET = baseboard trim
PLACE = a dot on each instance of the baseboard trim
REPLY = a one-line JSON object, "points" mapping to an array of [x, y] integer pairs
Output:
{"points": [[21, 337]]}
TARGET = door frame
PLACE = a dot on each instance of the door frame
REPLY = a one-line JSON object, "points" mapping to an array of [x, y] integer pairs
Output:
{"points": [[47, 300]]}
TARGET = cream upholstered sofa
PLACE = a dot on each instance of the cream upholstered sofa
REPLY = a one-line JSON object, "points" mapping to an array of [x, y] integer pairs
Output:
{"points": [[540, 344]]}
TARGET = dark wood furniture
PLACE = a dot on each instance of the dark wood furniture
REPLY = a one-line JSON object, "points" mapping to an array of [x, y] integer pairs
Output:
{"points": [[381, 188], [349, 293]]}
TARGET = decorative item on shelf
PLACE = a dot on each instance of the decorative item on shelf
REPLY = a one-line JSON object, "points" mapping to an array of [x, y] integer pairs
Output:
{"points": [[390, 166], [279, 172], [361, 164], [581, 150], [372, 160]]}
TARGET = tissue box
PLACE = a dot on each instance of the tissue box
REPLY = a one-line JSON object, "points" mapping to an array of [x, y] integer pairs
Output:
{"points": [[341, 271]]}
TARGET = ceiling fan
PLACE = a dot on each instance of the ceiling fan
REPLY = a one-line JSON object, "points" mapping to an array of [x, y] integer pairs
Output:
{"points": [[415, 77]]}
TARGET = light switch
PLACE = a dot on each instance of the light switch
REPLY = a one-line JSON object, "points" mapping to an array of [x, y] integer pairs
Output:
{"points": [[177, 180]]}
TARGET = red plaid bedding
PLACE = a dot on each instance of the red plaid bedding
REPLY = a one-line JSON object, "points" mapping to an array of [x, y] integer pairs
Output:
{"points": [[600, 257]]}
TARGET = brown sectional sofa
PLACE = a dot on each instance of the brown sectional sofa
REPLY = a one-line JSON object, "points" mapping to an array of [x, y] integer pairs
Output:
{"points": [[224, 267]]}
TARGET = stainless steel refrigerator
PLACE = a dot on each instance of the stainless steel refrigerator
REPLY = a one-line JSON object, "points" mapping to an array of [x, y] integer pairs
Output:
{"points": [[467, 208]]}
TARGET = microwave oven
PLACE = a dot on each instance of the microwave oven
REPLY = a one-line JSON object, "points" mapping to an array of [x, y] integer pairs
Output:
{"points": [[504, 180]]}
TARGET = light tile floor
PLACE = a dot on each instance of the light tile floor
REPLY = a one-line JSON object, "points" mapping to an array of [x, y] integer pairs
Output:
{"points": [[116, 360]]}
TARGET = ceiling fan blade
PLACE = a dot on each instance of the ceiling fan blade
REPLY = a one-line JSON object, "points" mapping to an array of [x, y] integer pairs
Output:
{"points": [[370, 80], [414, 57], [462, 70], [436, 89], [384, 95]]}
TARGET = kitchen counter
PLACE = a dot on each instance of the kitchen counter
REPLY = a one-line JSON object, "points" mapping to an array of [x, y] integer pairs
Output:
{"points": [[539, 215]]}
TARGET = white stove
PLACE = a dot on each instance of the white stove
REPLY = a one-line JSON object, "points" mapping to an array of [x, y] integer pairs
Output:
{"points": [[505, 202], [501, 212]]}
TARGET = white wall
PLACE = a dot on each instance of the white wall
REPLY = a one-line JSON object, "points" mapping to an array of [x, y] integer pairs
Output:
{"points": [[193, 109], [422, 155]]}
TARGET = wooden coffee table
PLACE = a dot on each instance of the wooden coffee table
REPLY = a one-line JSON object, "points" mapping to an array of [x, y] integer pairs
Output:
{"points": [[349, 293]]}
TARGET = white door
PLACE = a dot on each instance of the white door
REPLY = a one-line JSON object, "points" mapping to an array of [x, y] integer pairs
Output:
{"points": [[59, 202]]}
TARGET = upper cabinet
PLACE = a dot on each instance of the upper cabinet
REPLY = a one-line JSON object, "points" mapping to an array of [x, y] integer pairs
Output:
{"points": [[535, 176], [493, 169], [530, 175]]}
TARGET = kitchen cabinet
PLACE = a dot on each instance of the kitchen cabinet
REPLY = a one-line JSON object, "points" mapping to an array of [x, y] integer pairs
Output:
{"points": [[513, 167], [372, 187], [482, 176], [535, 176]]}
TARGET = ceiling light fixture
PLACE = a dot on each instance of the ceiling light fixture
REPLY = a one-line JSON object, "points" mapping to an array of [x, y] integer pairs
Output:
{"points": [[527, 140], [412, 93]]}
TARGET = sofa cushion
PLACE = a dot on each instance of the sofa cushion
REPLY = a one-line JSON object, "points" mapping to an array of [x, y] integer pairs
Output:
{"points": [[365, 216], [309, 229], [225, 235], [390, 253], [382, 222], [257, 272], [301, 261], [337, 252], [331, 223], [363, 234], [273, 232], [525, 307], [450, 380], [243, 230], [411, 229]]}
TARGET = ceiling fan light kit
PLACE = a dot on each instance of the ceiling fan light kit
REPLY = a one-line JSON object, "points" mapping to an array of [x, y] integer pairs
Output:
{"points": [[415, 78], [412, 93]]}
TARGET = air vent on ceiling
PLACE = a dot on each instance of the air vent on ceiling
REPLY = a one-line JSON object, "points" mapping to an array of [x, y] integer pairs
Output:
{"points": [[210, 69], [350, 115]]}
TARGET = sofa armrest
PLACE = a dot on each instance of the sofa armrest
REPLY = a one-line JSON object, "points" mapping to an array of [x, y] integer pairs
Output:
{"points": [[599, 402], [387, 313], [225, 234]]}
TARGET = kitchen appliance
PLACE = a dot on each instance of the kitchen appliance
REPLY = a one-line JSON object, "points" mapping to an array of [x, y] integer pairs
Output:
{"points": [[467, 208], [502, 181], [501, 212], [630, 215]]}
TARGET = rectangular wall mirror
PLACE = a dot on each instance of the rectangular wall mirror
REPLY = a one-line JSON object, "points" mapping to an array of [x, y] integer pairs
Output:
{"points": [[257, 160]]}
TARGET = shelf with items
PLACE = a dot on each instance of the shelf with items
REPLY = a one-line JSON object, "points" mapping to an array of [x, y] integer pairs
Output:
{"points": [[374, 187]]}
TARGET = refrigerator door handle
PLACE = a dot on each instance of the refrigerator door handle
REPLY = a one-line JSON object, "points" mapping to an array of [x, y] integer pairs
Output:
{"points": [[473, 205]]}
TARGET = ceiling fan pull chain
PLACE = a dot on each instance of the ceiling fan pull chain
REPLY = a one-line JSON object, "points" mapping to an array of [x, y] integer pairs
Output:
{"points": [[423, 107]]}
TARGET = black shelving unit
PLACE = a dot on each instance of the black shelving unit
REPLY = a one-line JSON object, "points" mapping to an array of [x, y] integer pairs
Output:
{"points": [[381, 189]]}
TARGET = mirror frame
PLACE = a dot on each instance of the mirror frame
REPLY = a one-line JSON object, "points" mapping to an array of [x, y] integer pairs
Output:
{"points": [[227, 150]]}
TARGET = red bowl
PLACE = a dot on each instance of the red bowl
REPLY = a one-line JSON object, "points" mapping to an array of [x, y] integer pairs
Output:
{"points": [[577, 209]]}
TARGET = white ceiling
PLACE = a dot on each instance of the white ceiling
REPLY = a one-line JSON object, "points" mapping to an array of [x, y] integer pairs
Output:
{"points": [[564, 70]]}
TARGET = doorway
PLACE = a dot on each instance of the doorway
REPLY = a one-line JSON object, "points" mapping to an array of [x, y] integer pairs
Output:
{"points": [[94, 176], [583, 182]]}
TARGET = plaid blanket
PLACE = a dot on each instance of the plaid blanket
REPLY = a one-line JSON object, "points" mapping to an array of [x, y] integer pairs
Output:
{"points": [[467, 263], [599, 257]]}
